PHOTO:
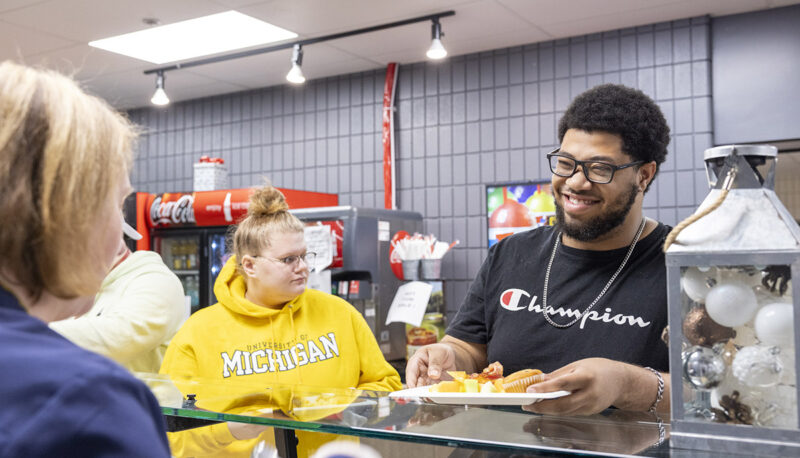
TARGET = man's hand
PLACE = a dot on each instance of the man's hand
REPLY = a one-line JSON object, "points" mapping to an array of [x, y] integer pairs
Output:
{"points": [[595, 383], [429, 363]]}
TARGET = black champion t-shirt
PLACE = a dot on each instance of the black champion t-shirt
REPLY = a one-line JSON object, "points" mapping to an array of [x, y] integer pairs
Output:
{"points": [[503, 308]]}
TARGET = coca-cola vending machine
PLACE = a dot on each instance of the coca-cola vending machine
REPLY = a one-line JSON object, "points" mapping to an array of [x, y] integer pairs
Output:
{"points": [[189, 230]]}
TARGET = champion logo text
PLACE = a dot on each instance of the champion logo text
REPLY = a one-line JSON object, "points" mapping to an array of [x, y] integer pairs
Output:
{"points": [[515, 300]]}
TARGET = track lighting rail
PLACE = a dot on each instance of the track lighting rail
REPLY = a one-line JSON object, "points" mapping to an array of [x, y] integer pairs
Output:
{"points": [[253, 52]]}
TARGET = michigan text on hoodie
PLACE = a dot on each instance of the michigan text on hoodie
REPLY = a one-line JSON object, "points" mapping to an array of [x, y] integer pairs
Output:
{"points": [[280, 357]]}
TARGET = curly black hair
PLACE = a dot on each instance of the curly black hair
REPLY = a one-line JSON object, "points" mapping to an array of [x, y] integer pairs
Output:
{"points": [[623, 111]]}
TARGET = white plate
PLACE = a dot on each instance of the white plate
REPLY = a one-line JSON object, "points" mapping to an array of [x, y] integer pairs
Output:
{"points": [[480, 399]]}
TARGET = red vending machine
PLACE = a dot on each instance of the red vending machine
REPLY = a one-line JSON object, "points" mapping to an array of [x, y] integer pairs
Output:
{"points": [[189, 229]]}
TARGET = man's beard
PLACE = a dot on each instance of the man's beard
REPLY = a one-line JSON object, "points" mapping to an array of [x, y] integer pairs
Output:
{"points": [[599, 225]]}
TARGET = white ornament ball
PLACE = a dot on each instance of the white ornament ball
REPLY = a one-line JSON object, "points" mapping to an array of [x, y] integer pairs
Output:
{"points": [[775, 324], [757, 366], [695, 284], [731, 304]]}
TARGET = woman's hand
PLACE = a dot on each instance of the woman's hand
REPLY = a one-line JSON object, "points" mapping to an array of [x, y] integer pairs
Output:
{"points": [[245, 431]]}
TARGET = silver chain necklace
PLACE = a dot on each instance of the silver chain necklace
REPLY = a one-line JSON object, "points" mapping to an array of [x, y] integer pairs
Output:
{"points": [[608, 285]]}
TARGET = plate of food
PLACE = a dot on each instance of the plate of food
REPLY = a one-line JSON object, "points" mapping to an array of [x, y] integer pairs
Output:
{"points": [[489, 387], [492, 399]]}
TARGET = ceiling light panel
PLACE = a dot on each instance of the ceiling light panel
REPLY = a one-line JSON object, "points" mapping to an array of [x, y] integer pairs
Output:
{"points": [[198, 37]]}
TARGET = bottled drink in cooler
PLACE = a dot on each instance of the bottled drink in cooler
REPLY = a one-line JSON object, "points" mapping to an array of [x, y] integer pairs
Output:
{"points": [[191, 255], [193, 290], [183, 254], [177, 261]]}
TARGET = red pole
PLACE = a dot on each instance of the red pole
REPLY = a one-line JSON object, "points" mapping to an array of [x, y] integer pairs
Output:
{"points": [[389, 197]]}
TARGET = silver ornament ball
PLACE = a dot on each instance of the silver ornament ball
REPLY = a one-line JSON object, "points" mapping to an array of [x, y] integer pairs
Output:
{"points": [[702, 367]]}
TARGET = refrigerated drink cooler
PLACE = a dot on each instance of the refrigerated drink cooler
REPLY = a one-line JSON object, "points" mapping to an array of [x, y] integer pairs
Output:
{"points": [[361, 272], [195, 255], [188, 230]]}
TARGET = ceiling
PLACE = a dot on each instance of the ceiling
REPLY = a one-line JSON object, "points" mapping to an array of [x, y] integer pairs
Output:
{"points": [[55, 33]]}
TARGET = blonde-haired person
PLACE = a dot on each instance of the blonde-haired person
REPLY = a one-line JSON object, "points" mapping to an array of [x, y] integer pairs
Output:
{"points": [[269, 329], [64, 160]]}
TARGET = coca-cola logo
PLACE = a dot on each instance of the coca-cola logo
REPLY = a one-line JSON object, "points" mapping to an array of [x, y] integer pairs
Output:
{"points": [[180, 211]]}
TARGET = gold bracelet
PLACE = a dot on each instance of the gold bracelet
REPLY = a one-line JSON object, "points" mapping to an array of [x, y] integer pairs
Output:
{"points": [[660, 394]]}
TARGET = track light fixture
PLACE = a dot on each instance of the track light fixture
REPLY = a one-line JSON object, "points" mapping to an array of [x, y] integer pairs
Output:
{"points": [[160, 96], [295, 75], [436, 51]]}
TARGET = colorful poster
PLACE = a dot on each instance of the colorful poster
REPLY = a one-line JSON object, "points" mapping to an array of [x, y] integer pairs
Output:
{"points": [[513, 208]]}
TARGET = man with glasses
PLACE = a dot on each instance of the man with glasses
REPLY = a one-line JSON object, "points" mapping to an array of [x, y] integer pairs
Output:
{"points": [[585, 300]]}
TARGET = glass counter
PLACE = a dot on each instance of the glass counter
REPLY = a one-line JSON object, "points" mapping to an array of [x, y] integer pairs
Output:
{"points": [[371, 414]]}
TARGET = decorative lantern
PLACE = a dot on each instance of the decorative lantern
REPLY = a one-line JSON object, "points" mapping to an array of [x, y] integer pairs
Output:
{"points": [[732, 268]]}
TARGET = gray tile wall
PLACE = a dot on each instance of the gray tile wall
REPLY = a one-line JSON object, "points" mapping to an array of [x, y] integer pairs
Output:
{"points": [[460, 124]]}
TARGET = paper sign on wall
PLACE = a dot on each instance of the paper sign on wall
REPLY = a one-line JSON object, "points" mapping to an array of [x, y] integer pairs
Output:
{"points": [[320, 241], [410, 302], [320, 280], [383, 231]]}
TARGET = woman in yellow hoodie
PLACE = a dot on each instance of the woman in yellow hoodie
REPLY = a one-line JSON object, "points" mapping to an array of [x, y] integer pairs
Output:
{"points": [[267, 328]]}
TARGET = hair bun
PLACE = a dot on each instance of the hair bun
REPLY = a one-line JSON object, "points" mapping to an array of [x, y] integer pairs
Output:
{"points": [[266, 201]]}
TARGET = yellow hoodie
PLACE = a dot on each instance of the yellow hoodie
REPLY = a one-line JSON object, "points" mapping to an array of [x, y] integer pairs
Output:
{"points": [[317, 339]]}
